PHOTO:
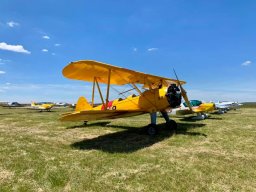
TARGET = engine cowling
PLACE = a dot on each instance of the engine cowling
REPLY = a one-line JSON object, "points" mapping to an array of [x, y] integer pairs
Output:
{"points": [[173, 96]]}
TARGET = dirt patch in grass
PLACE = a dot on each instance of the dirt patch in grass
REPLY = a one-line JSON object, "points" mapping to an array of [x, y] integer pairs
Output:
{"points": [[5, 175]]}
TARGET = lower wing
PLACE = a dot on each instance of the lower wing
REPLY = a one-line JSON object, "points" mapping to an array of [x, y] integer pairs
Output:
{"points": [[98, 115]]}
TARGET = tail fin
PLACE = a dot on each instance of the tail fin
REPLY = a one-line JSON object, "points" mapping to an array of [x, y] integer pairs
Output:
{"points": [[82, 104]]}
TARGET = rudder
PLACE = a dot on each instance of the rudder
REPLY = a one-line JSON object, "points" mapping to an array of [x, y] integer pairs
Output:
{"points": [[82, 104]]}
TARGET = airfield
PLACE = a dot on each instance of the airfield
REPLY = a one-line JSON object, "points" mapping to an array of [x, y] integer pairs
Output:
{"points": [[40, 153]]}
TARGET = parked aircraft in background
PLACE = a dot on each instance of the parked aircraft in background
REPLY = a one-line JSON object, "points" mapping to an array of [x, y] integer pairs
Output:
{"points": [[61, 104], [224, 106], [42, 106], [159, 94], [197, 107], [12, 104]]}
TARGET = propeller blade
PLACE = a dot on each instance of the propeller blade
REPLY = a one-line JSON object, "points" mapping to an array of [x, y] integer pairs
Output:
{"points": [[183, 92]]}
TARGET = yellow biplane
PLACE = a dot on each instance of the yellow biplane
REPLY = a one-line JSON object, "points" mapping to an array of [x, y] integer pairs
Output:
{"points": [[42, 106], [159, 94]]}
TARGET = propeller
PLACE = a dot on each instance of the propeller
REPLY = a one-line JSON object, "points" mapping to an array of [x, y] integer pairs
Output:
{"points": [[183, 92]]}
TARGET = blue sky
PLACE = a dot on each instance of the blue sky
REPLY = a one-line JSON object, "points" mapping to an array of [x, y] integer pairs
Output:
{"points": [[211, 45]]}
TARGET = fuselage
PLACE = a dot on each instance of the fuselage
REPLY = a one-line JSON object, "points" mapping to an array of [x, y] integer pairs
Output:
{"points": [[197, 107], [227, 105], [43, 106], [149, 101]]}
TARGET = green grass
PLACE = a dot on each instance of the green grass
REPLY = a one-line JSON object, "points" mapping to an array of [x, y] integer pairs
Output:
{"points": [[39, 153], [249, 105]]}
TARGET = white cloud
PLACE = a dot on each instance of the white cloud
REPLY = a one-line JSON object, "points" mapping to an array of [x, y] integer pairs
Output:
{"points": [[12, 24], [2, 72], [44, 50], [14, 48], [53, 54], [3, 61], [57, 44], [45, 37], [246, 63], [153, 49], [135, 49]]}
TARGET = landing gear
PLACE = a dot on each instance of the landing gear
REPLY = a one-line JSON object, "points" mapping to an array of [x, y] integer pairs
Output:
{"points": [[200, 116], [172, 125], [221, 111], [152, 129], [206, 115]]}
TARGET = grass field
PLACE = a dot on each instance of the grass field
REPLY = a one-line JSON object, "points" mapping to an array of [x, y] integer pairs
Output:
{"points": [[39, 153]]}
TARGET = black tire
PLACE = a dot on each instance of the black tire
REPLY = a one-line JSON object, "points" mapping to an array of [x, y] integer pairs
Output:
{"points": [[152, 130], [172, 125]]}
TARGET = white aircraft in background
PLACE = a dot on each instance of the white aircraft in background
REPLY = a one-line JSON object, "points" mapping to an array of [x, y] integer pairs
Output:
{"points": [[224, 106], [61, 104], [13, 104]]}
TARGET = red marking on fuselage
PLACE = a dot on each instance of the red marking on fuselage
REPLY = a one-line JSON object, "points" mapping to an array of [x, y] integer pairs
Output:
{"points": [[108, 107]]}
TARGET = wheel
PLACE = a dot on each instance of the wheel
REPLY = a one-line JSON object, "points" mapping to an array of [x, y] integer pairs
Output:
{"points": [[85, 122], [152, 129], [172, 125], [201, 117], [221, 112]]}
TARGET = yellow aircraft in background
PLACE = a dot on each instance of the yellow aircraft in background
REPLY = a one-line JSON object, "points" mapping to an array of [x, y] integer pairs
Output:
{"points": [[198, 107], [159, 95], [42, 106]]}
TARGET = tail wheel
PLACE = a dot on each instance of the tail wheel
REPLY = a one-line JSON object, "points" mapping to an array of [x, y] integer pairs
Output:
{"points": [[172, 125], [152, 129]]}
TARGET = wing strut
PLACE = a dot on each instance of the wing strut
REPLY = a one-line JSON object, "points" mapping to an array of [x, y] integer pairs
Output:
{"points": [[102, 100], [137, 89], [107, 97], [93, 91]]}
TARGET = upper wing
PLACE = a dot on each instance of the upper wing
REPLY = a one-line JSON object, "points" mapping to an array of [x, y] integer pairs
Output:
{"points": [[99, 115], [89, 70]]}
